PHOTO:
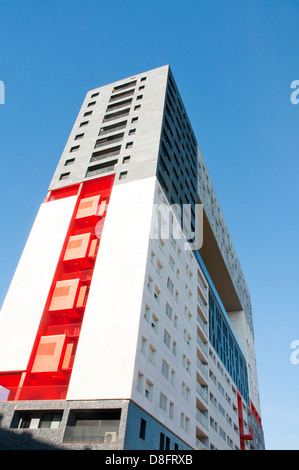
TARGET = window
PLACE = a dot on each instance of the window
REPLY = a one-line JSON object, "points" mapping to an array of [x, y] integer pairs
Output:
{"points": [[154, 323], [157, 294], [142, 430], [163, 402], [91, 104], [167, 338], [141, 87], [95, 94], [146, 313], [152, 354], [171, 410], [140, 382], [64, 176], [70, 161], [168, 311], [165, 369], [149, 390], [123, 175], [79, 136], [84, 123], [138, 106], [162, 440], [74, 149], [170, 285], [134, 119], [126, 159], [172, 377], [143, 345], [132, 131], [37, 419], [129, 145], [88, 113], [139, 97], [143, 79]]}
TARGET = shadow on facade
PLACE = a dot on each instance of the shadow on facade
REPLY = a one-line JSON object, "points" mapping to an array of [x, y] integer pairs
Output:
{"points": [[10, 440]]}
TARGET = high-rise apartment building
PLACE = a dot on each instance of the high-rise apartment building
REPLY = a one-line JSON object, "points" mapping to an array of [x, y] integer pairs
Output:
{"points": [[119, 331]]}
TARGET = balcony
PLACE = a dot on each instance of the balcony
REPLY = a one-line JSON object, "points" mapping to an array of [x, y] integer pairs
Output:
{"points": [[121, 104], [119, 114], [202, 419], [203, 346], [109, 140], [93, 425], [47, 392], [104, 434], [202, 391]]}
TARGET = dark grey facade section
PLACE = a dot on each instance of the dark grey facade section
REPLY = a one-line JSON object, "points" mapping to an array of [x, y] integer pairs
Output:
{"points": [[28, 425]]}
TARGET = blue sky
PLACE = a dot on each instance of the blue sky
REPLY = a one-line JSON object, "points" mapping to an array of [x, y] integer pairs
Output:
{"points": [[233, 62]]}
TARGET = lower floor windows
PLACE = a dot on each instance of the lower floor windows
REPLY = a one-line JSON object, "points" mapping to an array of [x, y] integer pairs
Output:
{"points": [[37, 419]]}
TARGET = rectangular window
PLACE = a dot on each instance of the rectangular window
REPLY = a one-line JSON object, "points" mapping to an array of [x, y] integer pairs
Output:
{"points": [[91, 104], [142, 430], [140, 382], [84, 123], [64, 176], [74, 149], [170, 285], [88, 113], [165, 369], [123, 175], [70, 161], [163, 402], [95, 94], [167, 338], [149, 390], [37, 419], [79, 136], [129, 145], [162, 441], [126, 159], [152, 354], [168, 311]]}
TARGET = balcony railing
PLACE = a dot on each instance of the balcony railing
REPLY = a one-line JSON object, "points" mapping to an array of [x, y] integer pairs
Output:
{"points": [[201, 445], [202, 324], [203, 368], [49, 392], [203, 346], [203, 306], [105, 433], [202, 391], [202, 419]]}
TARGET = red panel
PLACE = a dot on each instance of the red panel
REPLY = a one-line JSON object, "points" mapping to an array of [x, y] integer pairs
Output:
{"points": [[77, 247], [88, 207], [64, 295], [49, 354]]}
